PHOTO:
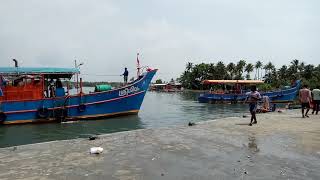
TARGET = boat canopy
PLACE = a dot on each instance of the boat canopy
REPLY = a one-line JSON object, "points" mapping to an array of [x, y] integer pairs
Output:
{"points": [[159, 84], [42, 70], [232, 82]]}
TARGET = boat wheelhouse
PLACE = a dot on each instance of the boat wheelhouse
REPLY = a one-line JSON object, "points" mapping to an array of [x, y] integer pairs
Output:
{"points": [[20, 84]]}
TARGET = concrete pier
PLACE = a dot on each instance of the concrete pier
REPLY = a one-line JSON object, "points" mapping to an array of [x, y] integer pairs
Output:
{"points": [[281, 146]]}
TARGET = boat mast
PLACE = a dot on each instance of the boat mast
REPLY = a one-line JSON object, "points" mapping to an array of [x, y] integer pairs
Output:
{"points": [[138, 66]]}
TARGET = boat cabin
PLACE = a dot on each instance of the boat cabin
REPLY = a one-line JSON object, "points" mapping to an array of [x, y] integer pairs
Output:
{"points": [[17, 83], [230, 86]]}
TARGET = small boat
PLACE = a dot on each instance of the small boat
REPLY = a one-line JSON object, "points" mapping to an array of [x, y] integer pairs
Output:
{"points": [[238, 93], [166, 87], [26, 98]]}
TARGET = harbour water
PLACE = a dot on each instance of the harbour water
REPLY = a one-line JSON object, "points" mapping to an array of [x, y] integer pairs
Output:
{"points": [[158, 110]]}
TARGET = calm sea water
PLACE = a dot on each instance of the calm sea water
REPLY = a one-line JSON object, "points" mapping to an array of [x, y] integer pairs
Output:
{"points": [[158, 110]]}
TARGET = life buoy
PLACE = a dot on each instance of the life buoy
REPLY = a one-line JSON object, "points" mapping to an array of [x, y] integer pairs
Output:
{"points": [[3, 117], [82, 107], [43, 112]]}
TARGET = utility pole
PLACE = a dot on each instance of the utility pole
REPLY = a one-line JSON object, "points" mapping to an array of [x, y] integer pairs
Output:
{"points": [[77, 66]]}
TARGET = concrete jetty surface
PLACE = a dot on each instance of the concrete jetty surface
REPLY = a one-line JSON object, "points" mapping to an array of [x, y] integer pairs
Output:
{"points": [[280, 146]]}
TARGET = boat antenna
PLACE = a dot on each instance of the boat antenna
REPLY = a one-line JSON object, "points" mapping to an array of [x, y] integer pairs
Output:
{"points": [[15, 63]]}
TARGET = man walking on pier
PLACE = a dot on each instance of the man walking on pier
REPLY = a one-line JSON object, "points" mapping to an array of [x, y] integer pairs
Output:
{"points": [[305, 100], [253, 98], [316, 99]]}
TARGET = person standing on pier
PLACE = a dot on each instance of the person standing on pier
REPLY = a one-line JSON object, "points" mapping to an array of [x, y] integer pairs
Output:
{"points": [[125, 75], [253, 98], [305, 100], [316, 99]]}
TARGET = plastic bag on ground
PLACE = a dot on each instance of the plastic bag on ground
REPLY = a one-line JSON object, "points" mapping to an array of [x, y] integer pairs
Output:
{"points": [[96, 150]]}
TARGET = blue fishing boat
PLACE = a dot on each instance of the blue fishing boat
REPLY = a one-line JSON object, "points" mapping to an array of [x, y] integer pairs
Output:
{"points": [[238, 94], [26, 96]]}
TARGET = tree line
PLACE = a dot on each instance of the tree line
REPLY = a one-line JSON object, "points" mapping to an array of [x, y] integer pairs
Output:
{"points": [[274, 77]]}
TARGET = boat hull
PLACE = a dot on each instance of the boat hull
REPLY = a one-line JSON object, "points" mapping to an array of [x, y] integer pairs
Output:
{"points": [[123, 101]]}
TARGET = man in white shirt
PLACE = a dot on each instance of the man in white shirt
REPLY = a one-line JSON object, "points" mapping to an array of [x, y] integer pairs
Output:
{"points": [[252, 98], [316, 99]]}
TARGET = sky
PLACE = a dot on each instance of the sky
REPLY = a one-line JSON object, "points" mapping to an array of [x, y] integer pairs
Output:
{"points": [[107, 34]]}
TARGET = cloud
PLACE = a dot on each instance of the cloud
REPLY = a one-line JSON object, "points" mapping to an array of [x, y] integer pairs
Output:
{"points": [[106, 35]]}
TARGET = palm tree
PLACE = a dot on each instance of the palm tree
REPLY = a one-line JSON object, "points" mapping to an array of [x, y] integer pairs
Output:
{"points": [[249, 68], [211, 71], [258, 65], [296, 68], [308, 71], [294, 65], [283, 72], [268, 68], [231, 68], [189, 66], [301, 68], [221, 70], [239, 68]]}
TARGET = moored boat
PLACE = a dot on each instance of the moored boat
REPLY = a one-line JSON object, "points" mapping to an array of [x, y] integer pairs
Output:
{"points": [[26, 96], [238, 94], [166, 87]]}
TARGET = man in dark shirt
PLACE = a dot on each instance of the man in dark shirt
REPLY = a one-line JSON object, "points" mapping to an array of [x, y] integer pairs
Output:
{"points": [[125, 75], [59, 83]]}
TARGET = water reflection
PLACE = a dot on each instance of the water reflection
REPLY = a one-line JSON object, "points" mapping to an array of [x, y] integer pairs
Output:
{"points": [[33, 133], [191, 96]]}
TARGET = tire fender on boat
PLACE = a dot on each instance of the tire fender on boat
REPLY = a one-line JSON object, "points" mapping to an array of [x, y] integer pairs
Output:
{"points": [[3, 117], [82, 107], [43, 112]]}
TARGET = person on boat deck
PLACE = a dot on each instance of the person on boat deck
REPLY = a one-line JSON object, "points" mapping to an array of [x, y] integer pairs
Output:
{"points": [[58, 83], [211, 90], [252, 98], [305, 100], [316, 99], [125, 75], [52, 88]]}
